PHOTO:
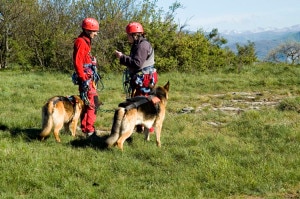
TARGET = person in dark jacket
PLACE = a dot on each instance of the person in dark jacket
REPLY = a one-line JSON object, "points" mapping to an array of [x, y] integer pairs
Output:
{"points": [[140, 62]]}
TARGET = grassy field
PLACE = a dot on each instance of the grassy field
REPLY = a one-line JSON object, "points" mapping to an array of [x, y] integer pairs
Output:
{"points": [[226, 135]]}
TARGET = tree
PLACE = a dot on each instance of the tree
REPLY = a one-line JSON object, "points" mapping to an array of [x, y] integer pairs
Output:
{"points": [[51, 35], [11, 15], [246, 53], [215, 38], [40, 33], [288, 52]]}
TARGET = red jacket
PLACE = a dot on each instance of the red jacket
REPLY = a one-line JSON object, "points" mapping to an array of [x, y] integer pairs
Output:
{"points": [[81, 55]]}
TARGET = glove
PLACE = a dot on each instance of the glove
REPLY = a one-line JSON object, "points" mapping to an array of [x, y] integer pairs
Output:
{"points": [[85, 85], [75, 78], [84, 98]]}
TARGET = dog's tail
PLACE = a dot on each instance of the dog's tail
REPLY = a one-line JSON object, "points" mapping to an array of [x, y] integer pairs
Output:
{"points": [[116, 127], [47, 121]]}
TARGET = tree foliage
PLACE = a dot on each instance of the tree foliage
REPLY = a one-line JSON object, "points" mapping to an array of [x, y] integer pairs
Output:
{"points": [[288, 51], [246, 53], [40, 33]]}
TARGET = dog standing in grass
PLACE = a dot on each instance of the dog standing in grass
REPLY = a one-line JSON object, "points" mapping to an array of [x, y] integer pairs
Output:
{"points": [[61, 112], [147, 111]]}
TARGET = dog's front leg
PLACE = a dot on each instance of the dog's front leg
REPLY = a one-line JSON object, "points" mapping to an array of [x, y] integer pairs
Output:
{"points": [[157, 133]]}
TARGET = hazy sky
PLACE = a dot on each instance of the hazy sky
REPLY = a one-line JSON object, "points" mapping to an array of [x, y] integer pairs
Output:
{"points": [[237, 15]]}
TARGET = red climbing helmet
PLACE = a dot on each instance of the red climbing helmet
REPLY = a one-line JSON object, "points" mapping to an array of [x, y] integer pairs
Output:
{"points": [[90, 24], [134, 27]]}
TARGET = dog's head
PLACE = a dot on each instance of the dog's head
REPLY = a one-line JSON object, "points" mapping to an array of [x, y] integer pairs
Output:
{"points": [[162, 91]]}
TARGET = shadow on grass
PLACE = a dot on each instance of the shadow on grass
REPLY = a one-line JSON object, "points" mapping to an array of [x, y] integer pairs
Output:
{"points": [[33, 134], [29, 134], [3, 127], [94, 141]]}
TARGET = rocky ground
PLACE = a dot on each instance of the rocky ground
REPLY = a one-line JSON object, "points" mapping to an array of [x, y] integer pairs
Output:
{"points": [[236, 102]]}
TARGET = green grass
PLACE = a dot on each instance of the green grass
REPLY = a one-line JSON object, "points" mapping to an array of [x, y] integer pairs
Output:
{"points": [[253, 153]]}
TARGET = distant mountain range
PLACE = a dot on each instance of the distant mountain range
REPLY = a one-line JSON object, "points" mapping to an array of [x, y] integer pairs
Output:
{"points": [[265, 40]]}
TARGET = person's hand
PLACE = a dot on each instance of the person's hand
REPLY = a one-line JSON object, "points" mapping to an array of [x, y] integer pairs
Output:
{"points": [[85, 85], [94, 61], [118, 54], [88, 74]]}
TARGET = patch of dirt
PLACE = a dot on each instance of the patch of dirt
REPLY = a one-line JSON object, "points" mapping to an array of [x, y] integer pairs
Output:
{"points": [[236, 102]]}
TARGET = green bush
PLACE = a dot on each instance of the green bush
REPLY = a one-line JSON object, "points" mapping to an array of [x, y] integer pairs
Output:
{"points": [[290, 104]]}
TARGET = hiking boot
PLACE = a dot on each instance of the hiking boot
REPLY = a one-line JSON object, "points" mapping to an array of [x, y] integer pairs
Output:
{"points": [[89, 134], [92, 137]]}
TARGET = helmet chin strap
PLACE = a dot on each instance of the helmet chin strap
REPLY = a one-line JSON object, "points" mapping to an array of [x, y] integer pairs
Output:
{"points": [[134, 37], [87, 32]]}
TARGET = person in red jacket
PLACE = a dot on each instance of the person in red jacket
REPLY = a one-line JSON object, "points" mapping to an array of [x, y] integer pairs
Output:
{"points": [[85, 68]]}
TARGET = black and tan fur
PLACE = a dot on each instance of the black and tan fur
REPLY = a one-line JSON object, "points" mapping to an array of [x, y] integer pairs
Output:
{"points": [[149, 114], [61, 112]]}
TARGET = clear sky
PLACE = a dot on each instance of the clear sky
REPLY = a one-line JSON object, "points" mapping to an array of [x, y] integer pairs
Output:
{"points": [[235, 15]]}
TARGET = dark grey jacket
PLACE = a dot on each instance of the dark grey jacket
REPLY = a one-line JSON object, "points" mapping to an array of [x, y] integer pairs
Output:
{"points": [[141, 56]]}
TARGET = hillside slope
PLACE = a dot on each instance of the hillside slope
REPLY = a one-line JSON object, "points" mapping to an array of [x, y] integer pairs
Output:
{"points": [[265, 40]]}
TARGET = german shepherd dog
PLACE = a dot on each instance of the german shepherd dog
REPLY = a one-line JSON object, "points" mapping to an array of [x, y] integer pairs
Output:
{"points": [[59, 112], [147, 111]]}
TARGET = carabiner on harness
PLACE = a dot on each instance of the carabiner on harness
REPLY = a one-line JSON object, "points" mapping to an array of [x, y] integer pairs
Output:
{"points": [[85, 99], [97, 77], [126, 83]]}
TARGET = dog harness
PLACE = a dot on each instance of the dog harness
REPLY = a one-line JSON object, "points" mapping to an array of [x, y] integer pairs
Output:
{"points": [[135, 102], [70, 99], [62, 98]]}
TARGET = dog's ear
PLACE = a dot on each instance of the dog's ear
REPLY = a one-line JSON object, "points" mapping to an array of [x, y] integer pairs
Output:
{"points": [[167, 86]]}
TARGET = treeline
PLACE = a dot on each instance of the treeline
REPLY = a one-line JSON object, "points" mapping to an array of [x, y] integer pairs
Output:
{"points": [[40, 33]]}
